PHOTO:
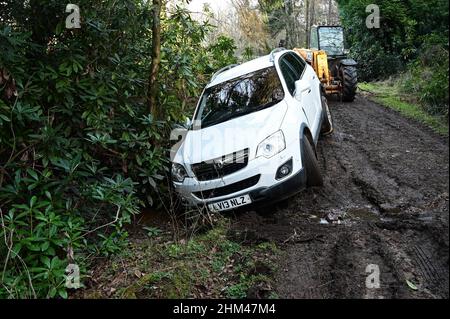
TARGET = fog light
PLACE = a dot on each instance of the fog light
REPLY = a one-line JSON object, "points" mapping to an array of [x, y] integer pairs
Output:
{"points": [[284, 170]]}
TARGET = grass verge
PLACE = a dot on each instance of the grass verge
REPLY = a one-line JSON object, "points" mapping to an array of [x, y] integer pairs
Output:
{"points": [[389, 95], [208, 265]]}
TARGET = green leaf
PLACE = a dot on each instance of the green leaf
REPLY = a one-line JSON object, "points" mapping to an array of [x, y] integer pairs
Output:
{"points": [[34, 247], [52, 292], [152, 182], [46, 261], [16, 249], [33, 174], [55, 262], [62, 293], [33, 201], [59, 28], [51, 251], [5, 118], [32, 186], [45, 245]]}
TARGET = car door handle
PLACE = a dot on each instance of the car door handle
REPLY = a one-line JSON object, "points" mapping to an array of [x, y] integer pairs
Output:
{"points": [[306, 90]]}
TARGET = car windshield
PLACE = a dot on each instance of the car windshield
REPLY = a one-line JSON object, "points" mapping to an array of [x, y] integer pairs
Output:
{"points": [[240, 96], [332, 40]]}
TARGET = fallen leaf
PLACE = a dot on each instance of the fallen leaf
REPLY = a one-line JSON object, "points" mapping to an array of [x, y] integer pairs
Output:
{"points": [[411, 285], [110, 292]]}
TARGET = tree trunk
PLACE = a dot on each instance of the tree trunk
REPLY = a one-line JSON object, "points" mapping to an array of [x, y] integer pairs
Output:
{"points": [[330, 7], [288, 15], [310, 20], [307, 29], [312, 15], [152, 94]]}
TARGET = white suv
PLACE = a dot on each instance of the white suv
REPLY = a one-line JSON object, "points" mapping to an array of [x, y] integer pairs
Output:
{"points": [[253, 134]]}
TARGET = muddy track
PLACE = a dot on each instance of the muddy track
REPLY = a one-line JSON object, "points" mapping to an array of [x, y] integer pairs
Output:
{"points": [[386, 198]]}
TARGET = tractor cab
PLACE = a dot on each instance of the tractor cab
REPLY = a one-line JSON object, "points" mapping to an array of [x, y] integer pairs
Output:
{"points": [[328, 56], [329, 39]]}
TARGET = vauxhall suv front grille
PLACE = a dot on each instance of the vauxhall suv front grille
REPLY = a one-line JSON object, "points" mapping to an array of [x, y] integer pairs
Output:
{"points": [[229, 189], [221, 166]]}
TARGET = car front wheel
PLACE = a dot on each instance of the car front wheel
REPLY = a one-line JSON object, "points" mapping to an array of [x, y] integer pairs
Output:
{"points": [[327, 124], [311, 165]]}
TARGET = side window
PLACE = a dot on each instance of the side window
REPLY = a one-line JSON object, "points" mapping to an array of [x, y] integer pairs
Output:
{"points": [[288, 74], [314, 39], [292, 67], [297, 64]]}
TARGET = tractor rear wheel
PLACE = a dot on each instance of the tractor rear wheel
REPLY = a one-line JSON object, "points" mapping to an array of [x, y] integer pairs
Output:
{"points": [[349, 77]]}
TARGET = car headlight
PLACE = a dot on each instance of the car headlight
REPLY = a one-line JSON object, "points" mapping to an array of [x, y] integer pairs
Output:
{"points": [[272, 145], [178, 172]]}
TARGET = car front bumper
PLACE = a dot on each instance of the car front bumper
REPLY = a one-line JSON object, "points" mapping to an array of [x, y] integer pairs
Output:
{"points": [[268, 188], [283, 190]]}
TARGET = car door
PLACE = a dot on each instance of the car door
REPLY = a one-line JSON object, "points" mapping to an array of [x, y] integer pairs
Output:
{"points": [[295, 69], [312, 103]]}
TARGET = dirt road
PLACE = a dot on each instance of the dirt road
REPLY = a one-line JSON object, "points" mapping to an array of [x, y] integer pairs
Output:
{"points": [[384, 203]]}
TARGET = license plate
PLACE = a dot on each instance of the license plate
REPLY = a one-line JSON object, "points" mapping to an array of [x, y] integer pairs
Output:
{"points": [[230, 203]]}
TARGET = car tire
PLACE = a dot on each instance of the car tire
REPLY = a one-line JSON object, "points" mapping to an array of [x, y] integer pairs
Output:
{"points": [[327, 124], [310, 164]]}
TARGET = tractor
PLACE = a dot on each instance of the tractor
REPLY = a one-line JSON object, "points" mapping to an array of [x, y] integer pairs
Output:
{"points": [[328, 56]]}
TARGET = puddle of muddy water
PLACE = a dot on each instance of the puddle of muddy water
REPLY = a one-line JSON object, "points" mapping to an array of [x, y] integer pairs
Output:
{"points": [[425, 217], [350, 215], [363, 213]]}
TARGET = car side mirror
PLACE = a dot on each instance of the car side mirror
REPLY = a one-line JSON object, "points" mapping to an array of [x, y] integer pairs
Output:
{"points": [[301, 87], [184, 126], [187, 123]]}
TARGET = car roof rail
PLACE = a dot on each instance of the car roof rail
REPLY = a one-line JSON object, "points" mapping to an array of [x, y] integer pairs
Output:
{"points": [[275, 51], [228, 67]]}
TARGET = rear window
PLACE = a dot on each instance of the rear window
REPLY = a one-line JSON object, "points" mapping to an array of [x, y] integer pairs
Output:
{"points": [[240, 96]]}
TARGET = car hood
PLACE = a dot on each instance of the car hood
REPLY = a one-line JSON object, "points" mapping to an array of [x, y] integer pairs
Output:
{"points": [[235, 135]]}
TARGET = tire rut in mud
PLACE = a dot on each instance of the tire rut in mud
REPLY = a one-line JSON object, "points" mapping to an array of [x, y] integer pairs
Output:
{"points": [[387, 179]]}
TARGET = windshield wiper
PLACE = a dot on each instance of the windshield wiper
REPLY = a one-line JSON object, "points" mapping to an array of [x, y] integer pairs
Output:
{"points": [[268, 104], [222, 118]]}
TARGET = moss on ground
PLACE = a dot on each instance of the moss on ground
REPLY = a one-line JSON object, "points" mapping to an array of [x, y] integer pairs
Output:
{"points": [[208, 265]]}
